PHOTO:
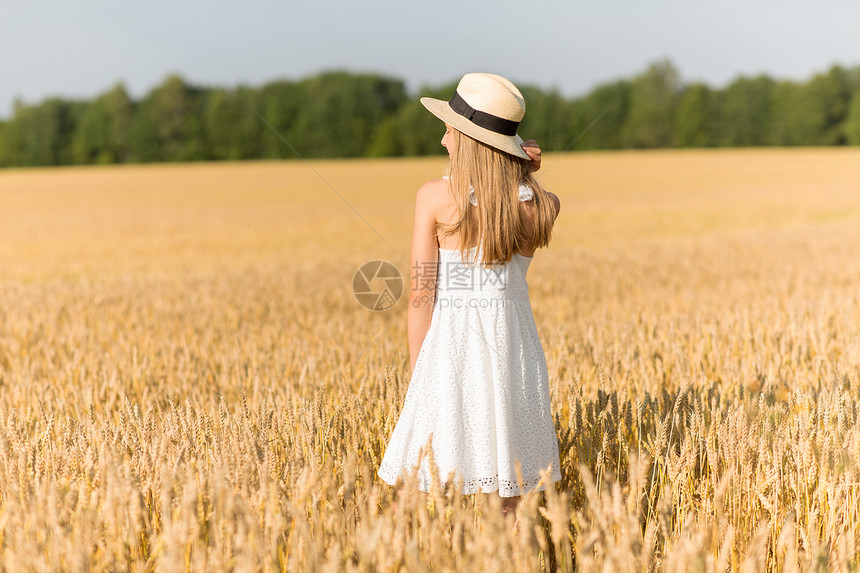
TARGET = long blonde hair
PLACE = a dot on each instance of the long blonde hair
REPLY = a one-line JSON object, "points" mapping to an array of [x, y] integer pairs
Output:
{"points": [[495, 223]]}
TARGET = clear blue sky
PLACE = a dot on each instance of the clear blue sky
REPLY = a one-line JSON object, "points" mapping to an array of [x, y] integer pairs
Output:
{"points": [[79, 48]]}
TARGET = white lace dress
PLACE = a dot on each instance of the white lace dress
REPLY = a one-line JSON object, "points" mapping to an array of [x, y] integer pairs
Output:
{"points": [[479, 385]]}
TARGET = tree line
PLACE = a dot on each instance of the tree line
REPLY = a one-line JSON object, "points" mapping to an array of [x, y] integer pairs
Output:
{"points": [[342, 114]]}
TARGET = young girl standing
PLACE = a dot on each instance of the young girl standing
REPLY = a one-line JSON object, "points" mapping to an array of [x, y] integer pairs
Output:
{"points": [[479, 389]]}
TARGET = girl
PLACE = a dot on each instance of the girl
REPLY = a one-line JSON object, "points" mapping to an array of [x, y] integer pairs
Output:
{"points": [[479, 391]]}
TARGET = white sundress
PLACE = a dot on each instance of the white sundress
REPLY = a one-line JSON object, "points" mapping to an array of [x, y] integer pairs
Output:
{"points": [[480, 384]]}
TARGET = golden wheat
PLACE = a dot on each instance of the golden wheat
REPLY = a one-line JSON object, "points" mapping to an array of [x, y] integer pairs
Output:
{"points": [[189, 384]]}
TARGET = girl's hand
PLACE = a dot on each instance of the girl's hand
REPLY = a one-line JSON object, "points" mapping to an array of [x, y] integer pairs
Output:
{"points": [[532, 149]]}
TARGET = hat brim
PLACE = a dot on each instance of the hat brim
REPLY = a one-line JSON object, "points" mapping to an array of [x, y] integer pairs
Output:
{"points": [[508, 143]]}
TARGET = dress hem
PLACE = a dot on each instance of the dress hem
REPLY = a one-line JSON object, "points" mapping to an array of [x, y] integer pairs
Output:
{"points": [[474, 486]]}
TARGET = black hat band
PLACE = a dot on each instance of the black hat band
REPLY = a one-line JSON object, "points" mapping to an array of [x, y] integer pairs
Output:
{"points": [[483, 119]]}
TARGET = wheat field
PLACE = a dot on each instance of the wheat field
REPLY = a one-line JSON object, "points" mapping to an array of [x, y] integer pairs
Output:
{"points": [[188, 383]]}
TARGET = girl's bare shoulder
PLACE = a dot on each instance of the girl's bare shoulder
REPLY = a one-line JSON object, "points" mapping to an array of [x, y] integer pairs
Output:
{"points": [[434, 189], [433, 196]]}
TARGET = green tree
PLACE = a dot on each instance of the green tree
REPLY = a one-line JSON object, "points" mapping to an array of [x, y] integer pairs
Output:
{"points": [[829, 98], [653, 99], [233, 130], [144, 144], [812, 113], [412, 130], [745, 112], [40, 134], [90, 141], [101, 134], [694, 125], [605, 109], [341, 112], [280, 103], [547, 117], [120, 110], [175, 110], [791, 124], [852, 122], [5, 144]]}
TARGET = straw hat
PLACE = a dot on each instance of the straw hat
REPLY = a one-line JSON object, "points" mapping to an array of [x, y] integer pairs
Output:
{"points": [[488, 108]]}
